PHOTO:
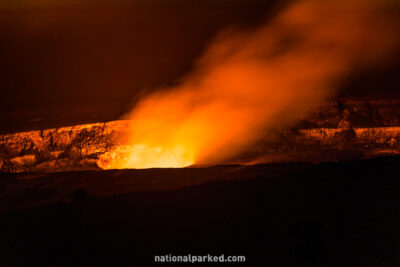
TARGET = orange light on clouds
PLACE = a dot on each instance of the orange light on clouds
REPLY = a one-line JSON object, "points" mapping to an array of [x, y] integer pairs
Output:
{"points": [[250, 81]]}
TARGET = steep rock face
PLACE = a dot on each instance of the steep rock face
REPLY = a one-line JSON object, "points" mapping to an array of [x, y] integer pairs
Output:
{"points": [[367, 127], [357, 114], [66, 148]]}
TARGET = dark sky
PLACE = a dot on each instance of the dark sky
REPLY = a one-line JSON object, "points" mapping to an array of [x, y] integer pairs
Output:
{"points": [[64, 62]]}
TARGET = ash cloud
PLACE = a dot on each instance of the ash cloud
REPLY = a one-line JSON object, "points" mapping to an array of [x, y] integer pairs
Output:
{"points": [[249, 81]]}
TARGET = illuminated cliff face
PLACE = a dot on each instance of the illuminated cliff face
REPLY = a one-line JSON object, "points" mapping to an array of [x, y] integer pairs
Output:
{"points": [[368, 128], [65, 148]]}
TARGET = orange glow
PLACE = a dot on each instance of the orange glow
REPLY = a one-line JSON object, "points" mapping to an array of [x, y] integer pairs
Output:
{"points": [[251, 81], [143, 156]]}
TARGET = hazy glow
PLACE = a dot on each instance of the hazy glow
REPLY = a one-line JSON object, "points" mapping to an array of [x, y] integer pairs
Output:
{"points": [[143, 156], [250, 81]]}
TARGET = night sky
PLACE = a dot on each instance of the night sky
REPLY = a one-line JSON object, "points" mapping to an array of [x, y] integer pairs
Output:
{"points": [[64, 62]]}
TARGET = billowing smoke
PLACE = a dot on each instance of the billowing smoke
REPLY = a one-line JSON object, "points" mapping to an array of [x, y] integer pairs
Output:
{"points": [[250, 81]]}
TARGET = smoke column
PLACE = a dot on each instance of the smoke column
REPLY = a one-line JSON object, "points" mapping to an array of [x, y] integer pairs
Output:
{"points": [[250, 81]]}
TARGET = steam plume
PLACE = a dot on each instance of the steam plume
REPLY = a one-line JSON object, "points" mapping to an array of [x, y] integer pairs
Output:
{"points": [[254, 80]]}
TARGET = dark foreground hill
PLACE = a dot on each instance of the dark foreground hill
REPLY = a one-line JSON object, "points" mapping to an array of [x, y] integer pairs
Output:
{"points": [[292, 214]]}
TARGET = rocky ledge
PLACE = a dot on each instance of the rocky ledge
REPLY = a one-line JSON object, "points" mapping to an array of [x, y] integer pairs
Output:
{"points": [[362, 128]]}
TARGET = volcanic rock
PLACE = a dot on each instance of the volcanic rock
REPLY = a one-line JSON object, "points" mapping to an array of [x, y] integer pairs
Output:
{"points": [[335, 129]]}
